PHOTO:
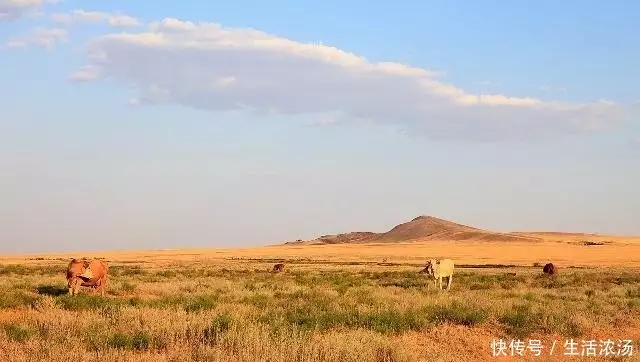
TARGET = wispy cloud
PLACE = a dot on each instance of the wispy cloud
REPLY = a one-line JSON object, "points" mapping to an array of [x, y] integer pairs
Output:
{"points": [[85, 74], [15, 9], [43, 37], [182, 62], [82, 16]]}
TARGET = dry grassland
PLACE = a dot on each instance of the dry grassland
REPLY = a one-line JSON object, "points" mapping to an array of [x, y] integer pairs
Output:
{"points": [[332, 303]]}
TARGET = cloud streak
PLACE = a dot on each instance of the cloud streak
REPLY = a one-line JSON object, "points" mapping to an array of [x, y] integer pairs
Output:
{"points": [[94, 17], [11, 10], [211, 67], [42, 37], [85, 74]]}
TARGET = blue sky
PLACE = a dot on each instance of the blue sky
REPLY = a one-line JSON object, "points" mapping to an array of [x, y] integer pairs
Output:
{"points": [[126, 125]]}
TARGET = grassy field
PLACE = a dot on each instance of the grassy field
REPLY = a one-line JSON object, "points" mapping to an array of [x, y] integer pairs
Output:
{"points": [[227, 306]]}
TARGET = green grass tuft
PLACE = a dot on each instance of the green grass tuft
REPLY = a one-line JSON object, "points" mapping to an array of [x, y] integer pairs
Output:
{"points": [[17, 332]]}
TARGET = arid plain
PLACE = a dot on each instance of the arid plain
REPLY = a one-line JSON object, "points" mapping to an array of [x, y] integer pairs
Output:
{"points": [[349, 297]]}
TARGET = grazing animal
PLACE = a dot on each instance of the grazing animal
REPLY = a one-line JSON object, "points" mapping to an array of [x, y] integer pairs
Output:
{"points": [[550, 269], [278, 268], [440, 269], [511, 274], [87, 273]]}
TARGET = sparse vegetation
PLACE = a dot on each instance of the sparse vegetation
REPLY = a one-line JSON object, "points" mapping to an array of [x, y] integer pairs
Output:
{"points": [[242, 312]]}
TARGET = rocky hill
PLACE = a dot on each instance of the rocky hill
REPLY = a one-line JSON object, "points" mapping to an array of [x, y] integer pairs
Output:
{"points": [[420, 228]]}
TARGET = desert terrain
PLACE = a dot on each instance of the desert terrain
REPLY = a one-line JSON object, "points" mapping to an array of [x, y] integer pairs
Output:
{"points": [[356, 296]]}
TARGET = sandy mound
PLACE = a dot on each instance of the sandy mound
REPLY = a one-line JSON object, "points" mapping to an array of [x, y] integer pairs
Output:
{"points": [[420, 228], [427, 227]]}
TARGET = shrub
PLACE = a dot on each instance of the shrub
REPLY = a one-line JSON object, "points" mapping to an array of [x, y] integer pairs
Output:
{"points": [[13, 269], [127, 287], [53, 290], [86, 302], [521, 321], [167, 274], [633, 293], [117, 270], [259, 300], [458, 313], [119, 341], [201, 302], [480, 286], [16, 332], [395, 322], [13, 299], [141, 341], [218, 327]]}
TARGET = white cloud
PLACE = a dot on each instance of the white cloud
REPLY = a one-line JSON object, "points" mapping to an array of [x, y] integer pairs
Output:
{"points": [[16, 9], [82, 16], [42, 37], [208, 66]]}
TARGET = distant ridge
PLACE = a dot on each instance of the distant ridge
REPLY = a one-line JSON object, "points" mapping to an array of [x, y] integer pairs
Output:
{"points": [[420, 228], [555, 233]]}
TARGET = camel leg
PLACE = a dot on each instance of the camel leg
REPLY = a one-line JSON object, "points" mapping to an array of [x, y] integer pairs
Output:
{"points": [[103, 286], [440, 283], [449, 282], [73, 287]]}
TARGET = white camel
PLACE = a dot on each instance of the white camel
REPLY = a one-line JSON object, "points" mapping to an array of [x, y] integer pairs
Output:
{"points": [[438, 269]]}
